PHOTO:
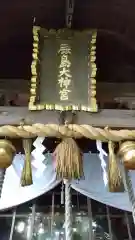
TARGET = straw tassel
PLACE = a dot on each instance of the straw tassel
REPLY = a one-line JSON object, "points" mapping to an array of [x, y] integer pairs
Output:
{"points": [[26, 178], [68, 159], [115, 181]]}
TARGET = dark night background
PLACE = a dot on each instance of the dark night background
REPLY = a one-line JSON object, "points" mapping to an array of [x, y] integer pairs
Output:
{"points": [[116, 37]]}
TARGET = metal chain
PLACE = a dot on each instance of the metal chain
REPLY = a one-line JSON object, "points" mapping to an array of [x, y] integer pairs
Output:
{"points": [[130, 192], [69, 12], [2, 177], [128, 187]]}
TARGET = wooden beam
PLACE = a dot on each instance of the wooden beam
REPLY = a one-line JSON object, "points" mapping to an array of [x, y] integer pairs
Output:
{"points": [[116, 89], [111, 118], [18, 86], [105, 90]]}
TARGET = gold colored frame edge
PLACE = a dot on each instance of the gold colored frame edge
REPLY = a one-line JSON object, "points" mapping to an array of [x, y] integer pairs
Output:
{"points": [[92, 84], [35, 81]]}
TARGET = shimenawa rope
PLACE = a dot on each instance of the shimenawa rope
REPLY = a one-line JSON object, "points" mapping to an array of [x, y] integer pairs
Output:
{"points": [[72, 130]]}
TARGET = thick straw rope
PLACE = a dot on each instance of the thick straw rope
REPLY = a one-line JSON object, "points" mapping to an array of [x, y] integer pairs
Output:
{"points": [[60, 131]]}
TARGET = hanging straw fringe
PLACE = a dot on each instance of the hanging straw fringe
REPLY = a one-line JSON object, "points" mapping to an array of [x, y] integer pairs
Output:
{"points": [[68, 159], [115, 181], [26, 178]]}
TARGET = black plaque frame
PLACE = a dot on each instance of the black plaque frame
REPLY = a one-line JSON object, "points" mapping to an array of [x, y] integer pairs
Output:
{"points": [[34, 101]]}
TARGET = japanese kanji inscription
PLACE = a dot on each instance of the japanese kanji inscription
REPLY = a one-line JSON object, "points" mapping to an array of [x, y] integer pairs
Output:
{"points": [[63, 70]]}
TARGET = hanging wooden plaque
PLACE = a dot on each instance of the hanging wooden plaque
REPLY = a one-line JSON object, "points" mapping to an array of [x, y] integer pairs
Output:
{"points": [[63, 70]]}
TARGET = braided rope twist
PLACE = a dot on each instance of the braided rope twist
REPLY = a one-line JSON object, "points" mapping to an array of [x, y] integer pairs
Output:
{"points": [[60, 131], [68, 211]]}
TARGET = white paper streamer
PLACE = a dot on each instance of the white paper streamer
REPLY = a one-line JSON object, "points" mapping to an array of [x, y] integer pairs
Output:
{"points": [[39, 157], [102, 154]]}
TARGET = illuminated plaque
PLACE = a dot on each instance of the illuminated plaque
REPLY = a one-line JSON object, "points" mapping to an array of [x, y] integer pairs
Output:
{"points": [[63, 70]]}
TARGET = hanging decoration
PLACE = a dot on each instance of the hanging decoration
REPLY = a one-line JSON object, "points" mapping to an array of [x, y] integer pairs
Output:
{"points": [[39, 156], [68, 157], [115, 180], [26, 178], [127, 154], [102, 155], [7, 152], [60, 60]]}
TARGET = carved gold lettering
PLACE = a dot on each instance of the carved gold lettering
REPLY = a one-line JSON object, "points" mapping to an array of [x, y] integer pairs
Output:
{"points": [[64, 94], [64, 77]]}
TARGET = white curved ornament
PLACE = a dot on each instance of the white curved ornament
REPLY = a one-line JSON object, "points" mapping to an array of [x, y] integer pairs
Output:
{"points": [[92, 185], [13, 194]]}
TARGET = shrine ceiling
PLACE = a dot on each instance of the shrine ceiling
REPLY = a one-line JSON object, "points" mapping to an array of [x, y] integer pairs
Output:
{"points": [[115, 43]]}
